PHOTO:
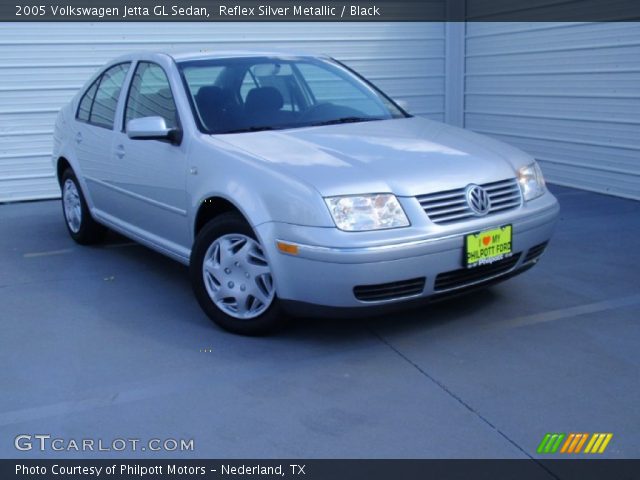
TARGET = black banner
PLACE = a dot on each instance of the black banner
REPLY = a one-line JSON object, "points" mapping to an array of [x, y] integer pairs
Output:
{"points": [[317, 10], [322, 469]]}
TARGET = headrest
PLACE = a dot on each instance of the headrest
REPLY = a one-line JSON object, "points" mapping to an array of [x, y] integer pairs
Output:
{"points": [[264, 99], [209, 95]]}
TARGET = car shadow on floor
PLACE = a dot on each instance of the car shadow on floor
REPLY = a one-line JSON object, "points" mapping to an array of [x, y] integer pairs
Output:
{"points": [[427, 316]]}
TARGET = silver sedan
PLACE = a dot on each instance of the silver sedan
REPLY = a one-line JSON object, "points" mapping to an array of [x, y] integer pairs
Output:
{"points": [[291, 184]]}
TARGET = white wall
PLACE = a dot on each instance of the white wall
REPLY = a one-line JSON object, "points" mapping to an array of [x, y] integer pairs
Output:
{"points": [[42, 65], [567, 93]]}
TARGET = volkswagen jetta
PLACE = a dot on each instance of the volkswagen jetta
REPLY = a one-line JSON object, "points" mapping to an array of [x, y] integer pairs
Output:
{"points": [[289, 183]]}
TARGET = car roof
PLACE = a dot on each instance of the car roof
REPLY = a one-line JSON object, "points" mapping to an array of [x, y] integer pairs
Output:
{"points": [[210, 54], [207, 54]]}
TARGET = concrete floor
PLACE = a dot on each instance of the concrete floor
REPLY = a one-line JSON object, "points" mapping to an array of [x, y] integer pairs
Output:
{"points": [[108, 342]]}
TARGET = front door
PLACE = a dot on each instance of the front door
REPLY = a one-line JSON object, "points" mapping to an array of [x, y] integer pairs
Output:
{"points": [[150, 175]]}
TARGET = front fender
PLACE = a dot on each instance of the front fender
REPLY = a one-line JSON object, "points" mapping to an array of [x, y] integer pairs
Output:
{"points": [[260, 193]]}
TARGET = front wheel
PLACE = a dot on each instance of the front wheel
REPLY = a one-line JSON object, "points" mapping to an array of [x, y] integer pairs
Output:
{"points": [[232, 279]]}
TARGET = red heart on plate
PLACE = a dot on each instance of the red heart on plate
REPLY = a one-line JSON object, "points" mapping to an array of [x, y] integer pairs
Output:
{"points": [[486, 240]]}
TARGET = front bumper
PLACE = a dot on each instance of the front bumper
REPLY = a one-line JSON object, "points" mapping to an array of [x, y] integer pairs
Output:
{"points": [[331, 263]]}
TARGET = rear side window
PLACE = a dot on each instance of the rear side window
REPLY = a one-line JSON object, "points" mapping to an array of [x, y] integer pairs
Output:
{"points": [[84, 110], [150, 95], [98, 104]]}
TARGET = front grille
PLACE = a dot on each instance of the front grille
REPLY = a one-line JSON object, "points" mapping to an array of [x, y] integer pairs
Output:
{"points": [[451, 205], [389, 291], [468, 276], [535, 252]]}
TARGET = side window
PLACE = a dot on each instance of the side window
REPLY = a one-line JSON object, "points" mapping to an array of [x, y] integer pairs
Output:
{"points": [[104, 106], [84, 110], [150, 95]]}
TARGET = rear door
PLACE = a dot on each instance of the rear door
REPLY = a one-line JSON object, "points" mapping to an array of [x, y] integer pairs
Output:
{"points": [[94, 131]]}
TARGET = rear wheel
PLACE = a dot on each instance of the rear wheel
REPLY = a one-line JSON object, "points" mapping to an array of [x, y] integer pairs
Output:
{"points": [[232, 279], [80, 224]]}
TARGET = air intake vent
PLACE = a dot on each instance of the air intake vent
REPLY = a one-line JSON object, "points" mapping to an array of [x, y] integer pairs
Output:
{"points": [[389, 291], [451, 205], [469, 276], [535, 252]]}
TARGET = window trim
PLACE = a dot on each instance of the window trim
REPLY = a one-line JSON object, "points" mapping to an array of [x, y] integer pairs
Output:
{"points": [[97, 82], [123, 125]]}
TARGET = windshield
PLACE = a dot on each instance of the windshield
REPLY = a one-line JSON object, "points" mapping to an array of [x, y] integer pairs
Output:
{"points": [[234, 95]]}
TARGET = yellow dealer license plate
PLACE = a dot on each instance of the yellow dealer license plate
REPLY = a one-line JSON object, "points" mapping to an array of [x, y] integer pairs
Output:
{"points": [[489, 246]]}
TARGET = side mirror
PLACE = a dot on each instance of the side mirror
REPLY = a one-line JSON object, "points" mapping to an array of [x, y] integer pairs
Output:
{"points": [[151, 128], [403, 104]]}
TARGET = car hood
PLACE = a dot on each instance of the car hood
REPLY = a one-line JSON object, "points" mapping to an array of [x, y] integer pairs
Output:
{"points": [[408, 157]]}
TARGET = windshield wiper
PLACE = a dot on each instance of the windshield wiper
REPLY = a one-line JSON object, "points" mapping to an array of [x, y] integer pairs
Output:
{"points": [[249, 129], [337, 121]]}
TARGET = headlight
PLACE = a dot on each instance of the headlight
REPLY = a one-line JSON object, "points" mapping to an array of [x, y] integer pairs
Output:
{"points": [[367, 212], [531, 181]]}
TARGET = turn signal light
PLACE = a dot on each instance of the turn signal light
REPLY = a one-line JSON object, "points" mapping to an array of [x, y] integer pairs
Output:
{"points": [[287, 248]]}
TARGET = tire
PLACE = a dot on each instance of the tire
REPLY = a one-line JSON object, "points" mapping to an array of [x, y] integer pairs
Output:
{"points": [[80, 224], [232, 280]]}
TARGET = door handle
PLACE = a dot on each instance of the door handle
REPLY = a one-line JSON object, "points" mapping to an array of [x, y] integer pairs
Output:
{"points": [[78, 138], [120, 151]]}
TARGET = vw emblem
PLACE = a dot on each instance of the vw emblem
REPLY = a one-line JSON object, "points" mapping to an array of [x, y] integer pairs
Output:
{"points": [[478, 200]]}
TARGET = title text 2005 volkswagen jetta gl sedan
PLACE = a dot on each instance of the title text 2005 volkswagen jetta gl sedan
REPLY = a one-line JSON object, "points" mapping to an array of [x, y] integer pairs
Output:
{"points": [[290, 183]]}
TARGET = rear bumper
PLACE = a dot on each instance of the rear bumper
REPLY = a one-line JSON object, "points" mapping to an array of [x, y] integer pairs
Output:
{"points": [[330, 263]]}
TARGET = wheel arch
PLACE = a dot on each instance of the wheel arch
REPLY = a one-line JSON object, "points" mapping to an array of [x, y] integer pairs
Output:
{"points": [[211, 207], [62, 164]]}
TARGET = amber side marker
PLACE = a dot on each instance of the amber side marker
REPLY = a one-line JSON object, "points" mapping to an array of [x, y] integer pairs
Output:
{"points": [[287, 248]]}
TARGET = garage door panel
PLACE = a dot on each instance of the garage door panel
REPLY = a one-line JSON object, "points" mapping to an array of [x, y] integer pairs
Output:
{"points": [[530, 36], [611, 183], [47, 76], [621, 135], [568, 60], [594, 157], [592, 84], [532, 103], [16, 100], [569, 94], [14, 144], [23, 122]]}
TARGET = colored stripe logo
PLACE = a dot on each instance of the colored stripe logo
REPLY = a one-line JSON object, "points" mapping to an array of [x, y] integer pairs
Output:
{"points": [[574, 443]]}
